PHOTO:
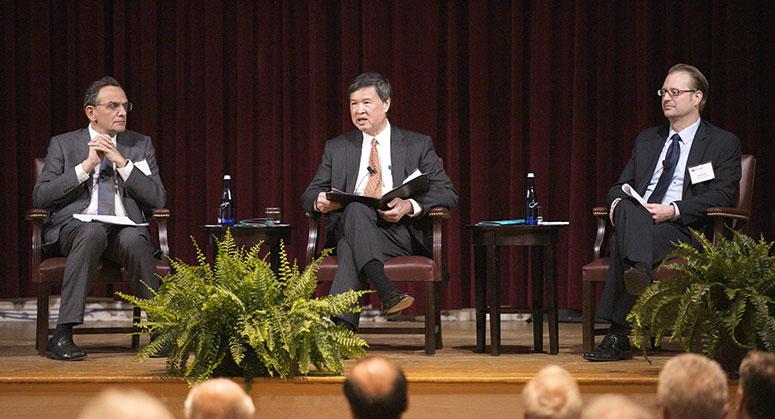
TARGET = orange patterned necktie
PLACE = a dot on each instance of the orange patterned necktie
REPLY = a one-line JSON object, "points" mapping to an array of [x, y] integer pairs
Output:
{"points": [[374, 186]]}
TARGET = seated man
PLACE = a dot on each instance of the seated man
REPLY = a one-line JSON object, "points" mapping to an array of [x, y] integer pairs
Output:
{"points": [[552, 394], [681, 170], [376, 388], [101, 169], [371, 161], [756, 386], [692, 386]]}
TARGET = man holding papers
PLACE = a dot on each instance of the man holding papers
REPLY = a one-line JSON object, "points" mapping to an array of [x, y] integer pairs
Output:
{"points": [[105, 171], [371, 161], [680, 170]]}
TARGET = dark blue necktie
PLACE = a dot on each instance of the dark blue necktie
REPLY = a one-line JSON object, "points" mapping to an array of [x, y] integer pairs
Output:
{"points": [[106, 189], [668, 169]]}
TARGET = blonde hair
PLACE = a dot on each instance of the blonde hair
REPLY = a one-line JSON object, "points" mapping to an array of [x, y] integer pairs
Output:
{"points": [[124, 404], [552, 394], [614, 406], [692, 386]]}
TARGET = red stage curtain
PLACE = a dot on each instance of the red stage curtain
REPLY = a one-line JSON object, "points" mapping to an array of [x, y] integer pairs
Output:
{"points": [[255, 88]]}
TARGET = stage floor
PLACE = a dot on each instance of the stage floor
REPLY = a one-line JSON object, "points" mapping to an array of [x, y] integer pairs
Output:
{"points": [[455, 383]]}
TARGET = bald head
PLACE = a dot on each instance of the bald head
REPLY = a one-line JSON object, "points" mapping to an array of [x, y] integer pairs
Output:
{"points": [[124, 404], [614, 406], [376, 388], [219, 398]]}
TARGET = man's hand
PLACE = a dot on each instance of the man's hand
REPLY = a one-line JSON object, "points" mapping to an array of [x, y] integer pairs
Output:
{"points": [[324, 205], [398, 208], [661, 213], [105, 147]]}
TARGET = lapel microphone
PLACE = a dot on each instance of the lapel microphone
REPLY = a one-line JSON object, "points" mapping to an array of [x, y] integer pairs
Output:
{"points": [[370, 171]]}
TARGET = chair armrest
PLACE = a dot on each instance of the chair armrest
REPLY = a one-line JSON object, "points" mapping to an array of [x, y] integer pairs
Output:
{"points": [[601, 217], [161, 215], [37, 217], [723, 218], [438, 216], [313, 229]]}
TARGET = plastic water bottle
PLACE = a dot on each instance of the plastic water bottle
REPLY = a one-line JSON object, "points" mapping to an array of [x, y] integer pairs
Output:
{"points": [[531, 201], [226, 210]]}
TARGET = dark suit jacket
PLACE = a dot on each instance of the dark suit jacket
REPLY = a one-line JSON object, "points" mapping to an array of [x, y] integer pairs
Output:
{"points": [[408, 151], [58, 190], [711, 144]]}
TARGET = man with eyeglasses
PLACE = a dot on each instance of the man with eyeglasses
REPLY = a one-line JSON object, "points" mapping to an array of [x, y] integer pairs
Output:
{"points": [[680, 170], [102, 169]]}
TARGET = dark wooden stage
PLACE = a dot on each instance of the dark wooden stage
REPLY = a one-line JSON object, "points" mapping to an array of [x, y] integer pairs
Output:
{"points": [[455, 383]]}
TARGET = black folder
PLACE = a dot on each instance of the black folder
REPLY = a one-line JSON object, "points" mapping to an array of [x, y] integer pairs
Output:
{"points": [[416, 186]]}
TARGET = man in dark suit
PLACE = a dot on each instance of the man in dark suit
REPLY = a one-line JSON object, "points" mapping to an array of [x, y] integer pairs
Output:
{"points": [[681, 170], [102, 169], [371, 161]]}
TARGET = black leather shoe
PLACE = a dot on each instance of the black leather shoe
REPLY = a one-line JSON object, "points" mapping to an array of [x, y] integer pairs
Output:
{"points": [[636, 281], [396, 303], [613, 348], [64, 349]]}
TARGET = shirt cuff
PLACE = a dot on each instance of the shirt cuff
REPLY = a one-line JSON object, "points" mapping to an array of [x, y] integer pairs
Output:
{"points": [[677, 211], [126, 170], [80, 173], [416, 207]]}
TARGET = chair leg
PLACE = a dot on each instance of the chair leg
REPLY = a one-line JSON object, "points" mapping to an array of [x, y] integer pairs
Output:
{"points": [[135, 335], [41, 328], [587, 316], [439, 341], [430, 319]]}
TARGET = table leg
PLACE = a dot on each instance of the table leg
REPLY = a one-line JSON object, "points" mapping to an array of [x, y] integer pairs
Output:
{"points": [[551, 283], [480, 278], [536, 267], [493, 297]]}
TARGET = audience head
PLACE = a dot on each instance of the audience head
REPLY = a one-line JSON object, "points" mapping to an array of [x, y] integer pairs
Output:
{"points": [[756, 390], [124, 404], [692, 386], [218, 398], [376, 388], [552, 394], [614, 406]]}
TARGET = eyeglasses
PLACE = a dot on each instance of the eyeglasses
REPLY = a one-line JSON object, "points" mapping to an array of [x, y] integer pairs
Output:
{"points": [[113, 106], [673, 92]]}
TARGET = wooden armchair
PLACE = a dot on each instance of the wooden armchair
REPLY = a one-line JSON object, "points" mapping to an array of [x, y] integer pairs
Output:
{"points": [[596, 271], [50, 272], [429, 271]]}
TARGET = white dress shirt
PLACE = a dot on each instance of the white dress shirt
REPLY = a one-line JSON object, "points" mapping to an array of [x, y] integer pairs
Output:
{"points": [[124, 172]]}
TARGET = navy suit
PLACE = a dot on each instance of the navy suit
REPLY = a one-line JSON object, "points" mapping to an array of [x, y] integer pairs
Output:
{"points": [[637, 239], [376, 239]]}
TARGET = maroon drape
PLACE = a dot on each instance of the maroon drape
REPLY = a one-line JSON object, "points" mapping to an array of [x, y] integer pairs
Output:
{"points": [[255, 88]]}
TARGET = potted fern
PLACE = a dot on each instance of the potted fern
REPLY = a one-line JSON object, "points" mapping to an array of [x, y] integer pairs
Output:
{"points": [[239, 317], [721, 300]]}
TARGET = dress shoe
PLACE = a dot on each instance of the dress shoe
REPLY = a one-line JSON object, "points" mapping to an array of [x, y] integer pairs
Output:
{"points": [[64, 349], [636, 281], [397, 302], [613, 348]]}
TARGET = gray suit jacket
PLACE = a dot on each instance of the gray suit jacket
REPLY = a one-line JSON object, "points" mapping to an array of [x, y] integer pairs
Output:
{"points": [[711, 144], [408, 151], [58, 190]]}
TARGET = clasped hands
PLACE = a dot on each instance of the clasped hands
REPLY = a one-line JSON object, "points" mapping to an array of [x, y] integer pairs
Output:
{"points": [[102, 146], [398, 208], [659, 212]]}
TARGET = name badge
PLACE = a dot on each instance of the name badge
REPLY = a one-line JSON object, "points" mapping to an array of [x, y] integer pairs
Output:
{"points": [[701, 173]]}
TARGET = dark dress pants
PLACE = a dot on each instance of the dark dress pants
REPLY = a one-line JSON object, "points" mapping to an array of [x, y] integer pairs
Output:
{"points": [[637, 240], [363, 237], [85, 244]]}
